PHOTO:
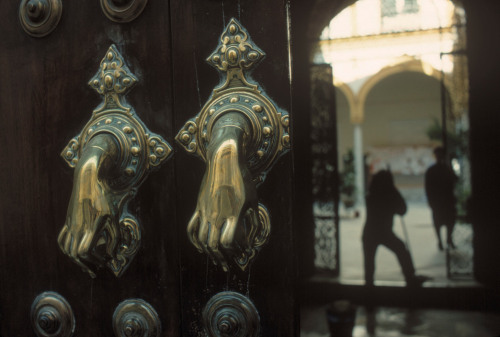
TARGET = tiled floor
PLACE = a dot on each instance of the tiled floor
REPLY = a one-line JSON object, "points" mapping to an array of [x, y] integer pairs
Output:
{"points": [[397, 322]]}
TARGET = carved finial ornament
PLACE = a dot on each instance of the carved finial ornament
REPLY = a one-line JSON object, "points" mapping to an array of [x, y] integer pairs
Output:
{"points": [[113, 81], [235, 50]]}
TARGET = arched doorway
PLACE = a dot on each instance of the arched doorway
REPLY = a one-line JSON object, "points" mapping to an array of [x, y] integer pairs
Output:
{"points": [[398, 68]]}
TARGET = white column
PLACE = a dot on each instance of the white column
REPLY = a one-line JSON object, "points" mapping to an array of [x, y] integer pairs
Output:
{"points": [[358, 164]]}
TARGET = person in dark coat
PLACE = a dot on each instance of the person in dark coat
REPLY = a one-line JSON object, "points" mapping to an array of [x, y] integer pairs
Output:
{"points": [[382, 203], [440, 182]]}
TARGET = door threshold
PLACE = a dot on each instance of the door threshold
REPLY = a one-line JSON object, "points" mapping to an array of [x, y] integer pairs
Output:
{"points": [[452, 294], [433, 283]]}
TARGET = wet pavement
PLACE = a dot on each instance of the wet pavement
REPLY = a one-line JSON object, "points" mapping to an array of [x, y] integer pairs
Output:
{"points": [[401, 322]]}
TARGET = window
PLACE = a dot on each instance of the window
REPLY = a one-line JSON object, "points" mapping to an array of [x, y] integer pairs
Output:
{"points": [[394, 7], [389, 8], [410, 6]]}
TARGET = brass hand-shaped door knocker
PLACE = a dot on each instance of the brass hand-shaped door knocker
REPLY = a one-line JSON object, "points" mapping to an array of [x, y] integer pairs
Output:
{"points": [[239, 133], [112, 156]]}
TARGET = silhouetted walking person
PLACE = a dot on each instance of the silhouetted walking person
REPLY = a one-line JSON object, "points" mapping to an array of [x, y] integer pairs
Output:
{"points": [[382, 203], [439, 185]]}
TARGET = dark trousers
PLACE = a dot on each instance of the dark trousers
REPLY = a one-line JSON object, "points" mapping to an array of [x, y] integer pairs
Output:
{"points": [[392, 242], [444, 217]]}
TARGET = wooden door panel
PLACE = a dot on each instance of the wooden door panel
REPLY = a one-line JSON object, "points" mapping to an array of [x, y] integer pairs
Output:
{"points": [[196, 30], [45, 101]]}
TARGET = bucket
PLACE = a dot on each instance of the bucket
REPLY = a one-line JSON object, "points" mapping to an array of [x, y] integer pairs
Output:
{"points": [[341, 316]]}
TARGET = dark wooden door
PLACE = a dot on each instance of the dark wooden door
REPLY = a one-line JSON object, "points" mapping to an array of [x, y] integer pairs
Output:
{"points": [[196, 27], [45, 101]]}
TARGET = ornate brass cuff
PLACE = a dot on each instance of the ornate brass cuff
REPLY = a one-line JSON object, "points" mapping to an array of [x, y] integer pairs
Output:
{"points": [[269, 135]]}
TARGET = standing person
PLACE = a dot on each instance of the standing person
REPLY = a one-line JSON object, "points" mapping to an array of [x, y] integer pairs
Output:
{"points": [[440, 182], [382, 203]]}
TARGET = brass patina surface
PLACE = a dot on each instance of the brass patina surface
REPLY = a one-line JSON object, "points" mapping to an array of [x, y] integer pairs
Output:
{"points": [[52, 316], [39, 17], [123, 10], [239, 133], [229, 313], [112, 156], [135, 317]]}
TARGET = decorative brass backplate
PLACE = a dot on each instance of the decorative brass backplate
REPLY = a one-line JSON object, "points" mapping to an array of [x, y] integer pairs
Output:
{"points": [[123, 10], [39, 17], [52, 316], [257, 131], [136, 317], [112, 156], [231, 314], [235, 55]]}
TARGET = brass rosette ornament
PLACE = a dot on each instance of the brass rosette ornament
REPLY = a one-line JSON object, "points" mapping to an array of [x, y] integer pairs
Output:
{"points": [[123, 10], [52, 316], [39, 17], [112, 156], [229, 313], [239, 133], [136, 317]]}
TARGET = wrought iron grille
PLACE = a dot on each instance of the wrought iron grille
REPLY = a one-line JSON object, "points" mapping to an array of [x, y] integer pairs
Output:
{"points": [[324, 168]]}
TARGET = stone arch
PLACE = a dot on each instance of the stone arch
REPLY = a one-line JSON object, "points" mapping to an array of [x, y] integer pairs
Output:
{"points": [[408, 66]]}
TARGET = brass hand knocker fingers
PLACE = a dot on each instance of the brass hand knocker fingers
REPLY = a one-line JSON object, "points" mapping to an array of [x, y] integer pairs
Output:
{"points": [[239, 133], [112, 156]]}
